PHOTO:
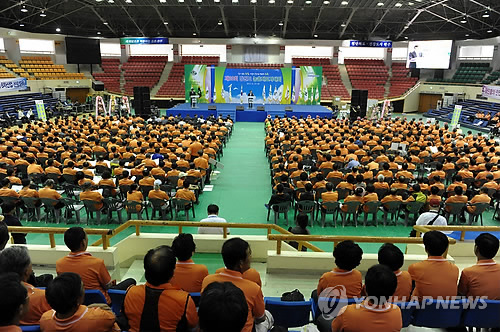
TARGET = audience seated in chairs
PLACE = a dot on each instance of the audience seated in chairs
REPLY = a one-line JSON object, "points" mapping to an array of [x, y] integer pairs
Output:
{"points": [[65, 295]]}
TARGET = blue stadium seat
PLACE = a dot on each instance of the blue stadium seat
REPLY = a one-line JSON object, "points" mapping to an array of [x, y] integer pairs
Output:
{"points": [[196, 298], [482, 316], [94, 296], [407, 310], [117, 298], [30, 328], [439, 313], [327, 303], [289, 314]]}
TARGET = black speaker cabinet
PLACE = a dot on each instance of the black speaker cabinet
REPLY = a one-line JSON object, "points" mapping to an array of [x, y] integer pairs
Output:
{"points": [[142, 103], [288, 109], [97, 86], [261, 108], [359, 98], [240, 108], [212, 108]]}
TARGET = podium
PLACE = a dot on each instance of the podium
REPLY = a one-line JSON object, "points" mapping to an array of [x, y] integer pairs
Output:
{"points": [[194, 101], [250, 101]]}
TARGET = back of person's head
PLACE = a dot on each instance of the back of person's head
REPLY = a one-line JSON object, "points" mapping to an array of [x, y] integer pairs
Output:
{"points": [[4, 235], [380, 178], [381, 283], [223, 307], [308, 186], [370, 188], [302, 220], [347, 255], [359, 192], [49, 183], [183, 246], [65, 292], [16, 259], [458, 190], [329, 186], [159, 265], [73, 238], [351, 179], [235, 252], [5, 182], [435, 243], [8, 207], [487, 245], [25, 182], [391, 256], [14, 302], [303, 176], [214, 209], [434, 190]]}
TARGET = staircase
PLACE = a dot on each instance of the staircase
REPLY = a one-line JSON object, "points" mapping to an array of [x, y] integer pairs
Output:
{"points": [[345, 78], [163, 78], [9, 71], [387, 85], [122, 79]]}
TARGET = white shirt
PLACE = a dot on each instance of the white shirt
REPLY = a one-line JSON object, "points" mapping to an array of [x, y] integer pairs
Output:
{"points": [[427, 217], [212, 230]]}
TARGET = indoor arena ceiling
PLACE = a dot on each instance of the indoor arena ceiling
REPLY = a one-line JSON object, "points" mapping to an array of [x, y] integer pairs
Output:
{"points": [[292, 19]]}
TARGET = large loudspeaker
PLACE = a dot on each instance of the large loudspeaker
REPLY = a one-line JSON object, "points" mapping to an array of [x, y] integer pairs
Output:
{"points": [[359, 98], [240, 108], [142, 103], [97, 86]]}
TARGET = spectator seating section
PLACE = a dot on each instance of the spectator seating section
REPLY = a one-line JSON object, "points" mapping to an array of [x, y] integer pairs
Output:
{"points": [[368, 75], [467, 73], [400, 80], [174, 86], [25, 101], [255, 65], [111, 75], [5, 74], [469, 108], [494, 76], [4, 61], [332, 85], [42, 68], [143, 71]]}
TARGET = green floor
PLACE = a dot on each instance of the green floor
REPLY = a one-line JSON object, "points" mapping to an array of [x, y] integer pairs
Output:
{"points": [[241, 190]]}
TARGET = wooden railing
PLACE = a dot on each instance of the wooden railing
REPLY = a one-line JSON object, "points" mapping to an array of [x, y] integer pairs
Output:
{"points": [[461, 229], [336, 239], [104, 233], [181, 224]]}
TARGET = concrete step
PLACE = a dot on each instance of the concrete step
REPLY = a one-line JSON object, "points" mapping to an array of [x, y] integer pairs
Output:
{"points": [[135, 271], [345, 78], [163, 78]]}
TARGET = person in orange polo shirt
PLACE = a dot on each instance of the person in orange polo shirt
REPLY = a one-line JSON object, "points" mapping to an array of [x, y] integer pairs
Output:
{"points": [[347, 256], [16, 260], [15, 302], [65, 294], [481, 198], [188, 276], [392, 257], [237, 254], [186, 194], [166, 305], [91, 195], [376, 314], [369, 196], [49, 192], [482, 279], [435, 276], [91, 269], [223, 307]]}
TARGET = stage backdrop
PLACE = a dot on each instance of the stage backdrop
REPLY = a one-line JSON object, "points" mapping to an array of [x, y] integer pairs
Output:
{"points": [[301, 85]]}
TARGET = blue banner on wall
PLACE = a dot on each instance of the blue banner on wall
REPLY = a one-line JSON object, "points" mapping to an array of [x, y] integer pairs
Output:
{"points": [[370, 43], [143, 40], [13, 84]]}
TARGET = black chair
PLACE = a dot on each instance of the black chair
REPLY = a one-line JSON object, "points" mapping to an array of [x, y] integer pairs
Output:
{"points": [[392, 208], [180, 204], [372, 207], [352, 210]]}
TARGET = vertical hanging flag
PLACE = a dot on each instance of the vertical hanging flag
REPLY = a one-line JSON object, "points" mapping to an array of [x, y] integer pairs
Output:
{"points": [[456, 115], [99, 106], [126, 104], [40, 110]]}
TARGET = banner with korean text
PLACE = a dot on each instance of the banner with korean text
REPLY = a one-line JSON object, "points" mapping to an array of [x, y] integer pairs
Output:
{"points": [[491, 91], [13, 84]]}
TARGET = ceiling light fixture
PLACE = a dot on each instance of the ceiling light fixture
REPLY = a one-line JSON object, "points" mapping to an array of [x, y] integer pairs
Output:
{"points": [[326, 2], [399, 4], [280, 24], [58, 29], [406, 37], [342, 25], [42, 14], [219, 23], [111, 1], [344, 3], [194, 33], [463, 21], [199, 1], [489, 31], [410, 3], [163, 1], [486, 14], [272, 1], [24, 10], [105, 23], [234, 1], [290, 2], [166, 23], [380, 4], [315, 36], [128, 1], [21, 24], [98, 32], [308, 2]]}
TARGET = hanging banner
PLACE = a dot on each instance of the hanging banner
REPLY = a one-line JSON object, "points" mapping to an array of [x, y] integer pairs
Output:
{"points": [[456, 115], [306, 82], [112, 104], [99, 106], [143, 40], [370, 43], [13, 84], [126, 104], [40, 110], [491, 91]]}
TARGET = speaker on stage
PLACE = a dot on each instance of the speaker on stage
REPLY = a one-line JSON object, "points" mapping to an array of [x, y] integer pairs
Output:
{"points": [[261, 108], [97, 86], [142, 102], [359, 98], [288, 109], [212, 107], [240, 108]]}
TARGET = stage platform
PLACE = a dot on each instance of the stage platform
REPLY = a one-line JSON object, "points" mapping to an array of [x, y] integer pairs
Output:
{"points": [[249, 115]]}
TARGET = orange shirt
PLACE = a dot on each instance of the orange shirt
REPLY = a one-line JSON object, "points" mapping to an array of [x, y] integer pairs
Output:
{"points": [[135, 196], [125, 182], [250, 274], [91, 269], [366, 317], [84, 319], [481, 280], [369, 197], [332, 196], [92, 196], [37, 305], [48, 193], [149, 181], [10, 328], [28, 192], [171, 306], [185, 194], [481, 198], [403, 291], [34, 168], [351, 280], [434, 277], [7, 192], [188, 276], [157, 194], [252, 291]]}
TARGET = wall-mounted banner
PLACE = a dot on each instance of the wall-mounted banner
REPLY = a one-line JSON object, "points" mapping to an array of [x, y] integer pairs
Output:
{"points": [[491, 91], [456, 115], [370, 43], [269, 86], [40, 110], [143, 40], [13, 84]]}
